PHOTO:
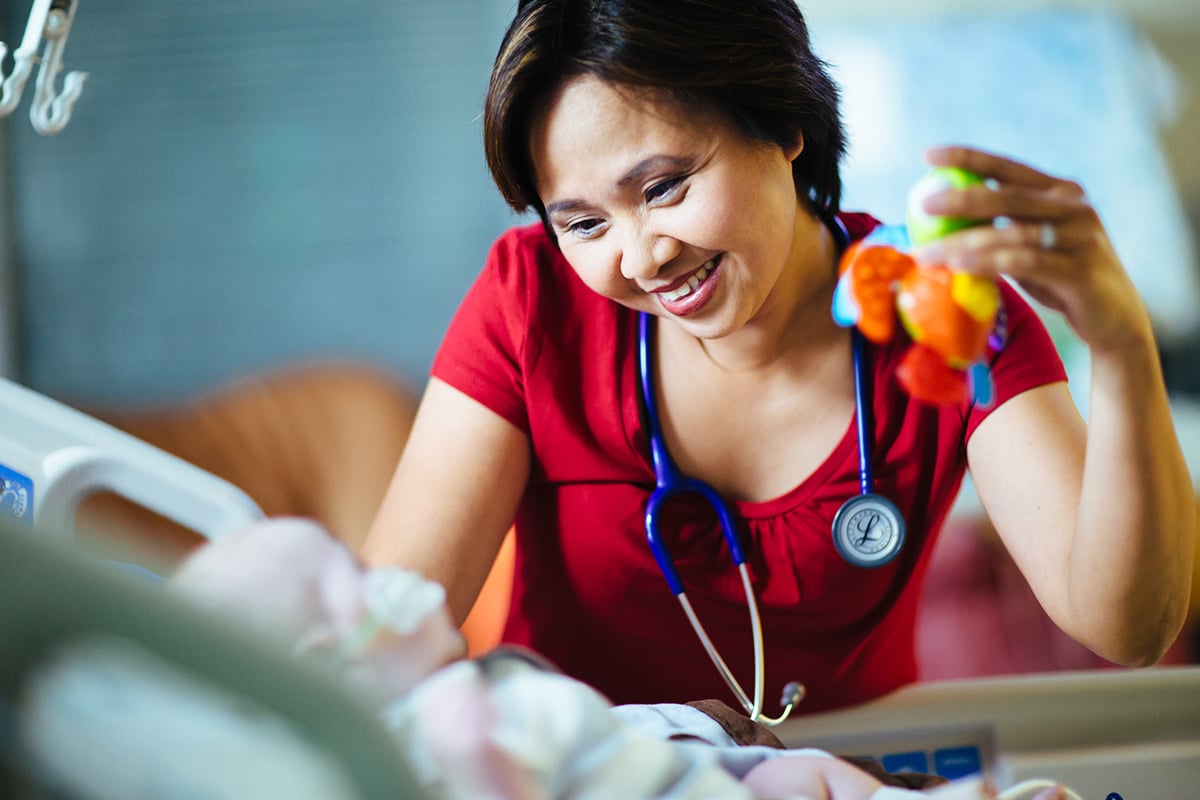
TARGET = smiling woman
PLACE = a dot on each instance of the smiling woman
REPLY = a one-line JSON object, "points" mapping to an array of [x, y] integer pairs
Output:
{"points": [[683, 158]]}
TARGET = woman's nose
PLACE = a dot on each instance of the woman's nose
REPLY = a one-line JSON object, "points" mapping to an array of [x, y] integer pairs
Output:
{"points": [[645, 253]]}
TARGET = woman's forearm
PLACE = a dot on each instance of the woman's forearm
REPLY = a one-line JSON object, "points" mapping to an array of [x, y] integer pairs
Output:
{"points": [[1131, 558]]}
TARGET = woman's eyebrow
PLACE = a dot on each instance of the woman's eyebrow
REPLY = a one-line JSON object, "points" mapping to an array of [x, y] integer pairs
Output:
{"points": [[639, 170], [564, 205], [654, 163]]}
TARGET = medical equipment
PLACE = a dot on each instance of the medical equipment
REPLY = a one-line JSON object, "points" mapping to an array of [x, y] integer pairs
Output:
{"points": [[1108, 734], [670, 482], [868, 529], [50, 110], [53, 456]]}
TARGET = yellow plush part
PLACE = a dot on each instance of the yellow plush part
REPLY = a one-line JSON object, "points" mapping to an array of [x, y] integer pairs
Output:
{"points": [[976, 295]]}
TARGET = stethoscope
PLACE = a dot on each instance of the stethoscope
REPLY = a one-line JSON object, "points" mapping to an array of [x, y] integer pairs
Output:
{"points": [[868, 529]]}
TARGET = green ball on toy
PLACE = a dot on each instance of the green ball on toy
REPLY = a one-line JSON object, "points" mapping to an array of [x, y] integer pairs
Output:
{"points": [[924, 227]]}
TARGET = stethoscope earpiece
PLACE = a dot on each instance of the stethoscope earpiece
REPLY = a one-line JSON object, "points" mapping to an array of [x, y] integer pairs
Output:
{"points": [[793, 693]]}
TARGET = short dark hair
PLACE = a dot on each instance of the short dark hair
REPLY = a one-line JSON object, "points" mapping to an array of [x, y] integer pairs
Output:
{"points": [[750, 61]]}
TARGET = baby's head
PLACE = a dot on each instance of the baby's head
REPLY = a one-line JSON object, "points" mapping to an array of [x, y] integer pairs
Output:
{"points": [[291, 581]]}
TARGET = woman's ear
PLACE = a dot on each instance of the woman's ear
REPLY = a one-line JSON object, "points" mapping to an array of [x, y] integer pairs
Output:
{"points": [[796, 149]]}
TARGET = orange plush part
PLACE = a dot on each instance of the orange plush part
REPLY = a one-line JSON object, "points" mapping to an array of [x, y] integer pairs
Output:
{"points": [[874, 272], [933, 317], [925, 375]]}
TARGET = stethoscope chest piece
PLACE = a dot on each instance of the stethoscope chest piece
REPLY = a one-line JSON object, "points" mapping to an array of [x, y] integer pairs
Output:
{"points": [[868, 530]]}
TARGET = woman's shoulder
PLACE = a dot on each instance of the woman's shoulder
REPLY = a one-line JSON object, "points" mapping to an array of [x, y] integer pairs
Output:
{"points": [[521, 250], [527, 246], [1016, 305], [530, 251], [526, 236], [526, 265]]}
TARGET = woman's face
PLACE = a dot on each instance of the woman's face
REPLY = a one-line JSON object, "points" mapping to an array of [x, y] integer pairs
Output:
{"points": [[663, 209]]}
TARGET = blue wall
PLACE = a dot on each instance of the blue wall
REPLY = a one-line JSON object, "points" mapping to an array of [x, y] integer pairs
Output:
{"points": [[245, 185]]}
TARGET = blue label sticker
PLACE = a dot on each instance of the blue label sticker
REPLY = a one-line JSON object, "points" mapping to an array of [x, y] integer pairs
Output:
{"points": [[16, 495], [957, 762], [914, 761]]}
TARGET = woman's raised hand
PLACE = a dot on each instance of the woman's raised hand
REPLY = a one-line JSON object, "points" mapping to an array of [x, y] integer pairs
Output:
{"points": [[1046, 236]]}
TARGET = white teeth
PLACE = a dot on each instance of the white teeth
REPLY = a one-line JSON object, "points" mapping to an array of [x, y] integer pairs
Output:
{"points": [[690, 285]]}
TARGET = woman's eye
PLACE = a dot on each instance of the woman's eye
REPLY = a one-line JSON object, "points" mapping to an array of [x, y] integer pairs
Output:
{"points": [[664, 191], [586, 228]]}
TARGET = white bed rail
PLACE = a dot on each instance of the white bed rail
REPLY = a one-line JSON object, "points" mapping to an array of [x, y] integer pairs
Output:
{"points": [[52, 456]]}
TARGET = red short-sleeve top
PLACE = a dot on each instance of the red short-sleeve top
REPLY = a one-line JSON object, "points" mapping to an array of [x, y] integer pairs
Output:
{"points": [[532, 343]]}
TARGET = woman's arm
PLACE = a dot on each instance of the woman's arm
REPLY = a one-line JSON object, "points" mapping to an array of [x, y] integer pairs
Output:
{"points": [[1096, 519], [454, 495], [1099, 518]]}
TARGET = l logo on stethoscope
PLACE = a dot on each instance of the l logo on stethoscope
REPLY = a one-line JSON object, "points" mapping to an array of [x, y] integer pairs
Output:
{"points": [[868, 530]]}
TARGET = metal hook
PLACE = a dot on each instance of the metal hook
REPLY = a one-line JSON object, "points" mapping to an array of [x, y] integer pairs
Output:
{"points": [[24, 57], [50, 20], [50, 112]]}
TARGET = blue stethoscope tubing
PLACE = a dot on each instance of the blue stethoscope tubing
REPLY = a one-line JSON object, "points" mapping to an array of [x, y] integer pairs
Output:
{"points": [[863, 511], [670, 482], [862, 413]]}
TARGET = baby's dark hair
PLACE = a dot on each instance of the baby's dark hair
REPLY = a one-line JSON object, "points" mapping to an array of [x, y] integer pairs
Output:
{"points": [[748, 60]]}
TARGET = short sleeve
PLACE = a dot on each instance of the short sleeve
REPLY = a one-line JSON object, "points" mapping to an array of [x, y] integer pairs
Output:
{"points": [[1028, 359], [482, 352]]}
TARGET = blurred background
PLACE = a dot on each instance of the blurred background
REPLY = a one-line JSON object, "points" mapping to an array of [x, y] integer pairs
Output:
{"points": [[245, 185], [249, 185]]}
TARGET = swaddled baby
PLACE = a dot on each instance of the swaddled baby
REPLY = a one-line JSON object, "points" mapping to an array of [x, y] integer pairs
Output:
{"points": [[503, 726]]}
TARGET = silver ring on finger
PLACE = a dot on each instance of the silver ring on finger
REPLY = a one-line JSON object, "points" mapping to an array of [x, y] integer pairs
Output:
{"points": [[1049, 236]]}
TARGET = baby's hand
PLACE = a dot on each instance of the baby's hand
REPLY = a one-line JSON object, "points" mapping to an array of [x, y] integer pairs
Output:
{"points": [[404, 633]]}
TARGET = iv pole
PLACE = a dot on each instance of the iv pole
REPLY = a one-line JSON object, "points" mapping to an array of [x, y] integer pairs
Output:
{"points": [[49, 20]]}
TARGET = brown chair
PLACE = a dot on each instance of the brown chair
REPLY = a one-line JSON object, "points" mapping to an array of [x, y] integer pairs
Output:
{"points": [[316, 441]]}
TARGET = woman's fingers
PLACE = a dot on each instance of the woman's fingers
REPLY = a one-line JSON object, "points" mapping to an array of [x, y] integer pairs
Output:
{"points": [[1041, 231], [1060, 201], [1035, 218], [989, 165], [1013, 247]]}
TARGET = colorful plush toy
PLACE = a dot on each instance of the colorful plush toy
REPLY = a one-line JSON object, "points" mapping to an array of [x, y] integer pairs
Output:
{"points": [[953, 318]]}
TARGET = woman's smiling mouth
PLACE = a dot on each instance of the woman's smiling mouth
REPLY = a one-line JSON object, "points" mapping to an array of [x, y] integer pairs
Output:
{"points": [[692, 293]]}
